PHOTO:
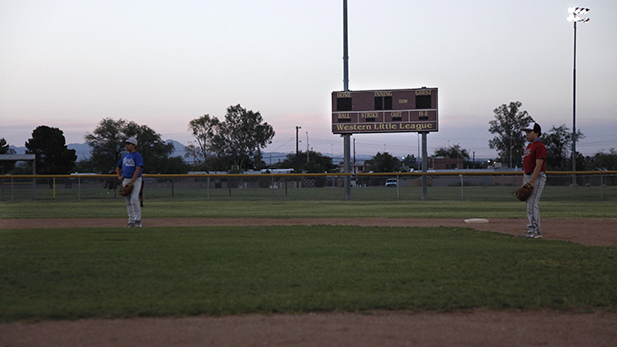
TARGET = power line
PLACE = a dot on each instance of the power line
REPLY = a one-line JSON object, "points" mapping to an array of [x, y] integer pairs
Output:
{"points": [[288, 141]]}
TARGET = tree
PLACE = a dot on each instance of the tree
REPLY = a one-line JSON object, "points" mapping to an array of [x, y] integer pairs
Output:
{"points": [[153, 149], [52, 155], [318, 163], [454, 151], [510, 141], [558, 142], [107, 142], [383, 162], [6, 166], [203, 129], [257, 160], [411, 162], [4, 147], [241, 136], [604, 161], [173, 165]]}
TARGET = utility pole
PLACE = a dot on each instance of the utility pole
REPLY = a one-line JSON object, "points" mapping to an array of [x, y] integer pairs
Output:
{"points": [[297, 150]]}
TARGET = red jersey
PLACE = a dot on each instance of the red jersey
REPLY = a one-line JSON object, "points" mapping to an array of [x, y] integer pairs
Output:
{"points": [[534, 151]]}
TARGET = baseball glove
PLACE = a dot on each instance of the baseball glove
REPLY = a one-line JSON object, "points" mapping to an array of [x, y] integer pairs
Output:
{"points": [[126, 190], [524, 192]]}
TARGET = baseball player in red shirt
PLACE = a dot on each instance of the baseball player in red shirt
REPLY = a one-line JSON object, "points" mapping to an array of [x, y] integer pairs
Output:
{"points": [[534, 164]]}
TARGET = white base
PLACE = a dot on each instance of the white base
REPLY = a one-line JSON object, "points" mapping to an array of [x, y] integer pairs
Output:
{"points": [[476, 220]]}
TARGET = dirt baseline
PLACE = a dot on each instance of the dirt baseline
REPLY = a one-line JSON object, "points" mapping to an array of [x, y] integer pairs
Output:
{"points": [[472, 328], [475, 328]]}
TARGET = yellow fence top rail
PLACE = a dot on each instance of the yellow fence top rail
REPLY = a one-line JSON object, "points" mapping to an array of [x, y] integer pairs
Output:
{"points": [[334, 174]]}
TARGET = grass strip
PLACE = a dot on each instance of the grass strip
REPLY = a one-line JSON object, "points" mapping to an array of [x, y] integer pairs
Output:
{"points": [[304, 209], [107, 272]]}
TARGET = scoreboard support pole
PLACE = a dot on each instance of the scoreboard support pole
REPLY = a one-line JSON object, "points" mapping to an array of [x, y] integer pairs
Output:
{"points": [[347, 150], [424, 167]]}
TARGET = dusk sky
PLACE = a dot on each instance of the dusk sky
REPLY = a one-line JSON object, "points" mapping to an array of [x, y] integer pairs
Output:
{"points": [[69, 64]]}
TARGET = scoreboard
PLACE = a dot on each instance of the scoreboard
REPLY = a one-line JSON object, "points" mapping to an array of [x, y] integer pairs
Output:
{"points": [[384, 111]]}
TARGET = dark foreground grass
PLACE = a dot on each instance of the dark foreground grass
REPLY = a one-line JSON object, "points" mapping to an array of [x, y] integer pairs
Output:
{"points": [[76, 273]]}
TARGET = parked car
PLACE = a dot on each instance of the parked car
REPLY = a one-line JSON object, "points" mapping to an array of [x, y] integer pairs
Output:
{"points": [[391, 182]]}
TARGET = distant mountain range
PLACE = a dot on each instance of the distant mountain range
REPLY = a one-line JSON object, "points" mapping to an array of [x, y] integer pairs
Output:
{"points": [[83, 149], [83, 152]]}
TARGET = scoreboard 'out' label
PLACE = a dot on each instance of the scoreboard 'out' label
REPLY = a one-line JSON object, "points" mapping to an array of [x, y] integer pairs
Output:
{"points": [[383, 111]]}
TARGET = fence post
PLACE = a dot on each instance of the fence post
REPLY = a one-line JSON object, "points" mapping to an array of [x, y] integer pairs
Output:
{"points": [[12, 197], [462, 190], [208, 187], [601, 187], [78, 188], [397, 189]]}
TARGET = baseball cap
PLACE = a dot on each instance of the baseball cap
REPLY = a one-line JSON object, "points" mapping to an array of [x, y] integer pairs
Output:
{"points": [[132, 140], [535, 127]]}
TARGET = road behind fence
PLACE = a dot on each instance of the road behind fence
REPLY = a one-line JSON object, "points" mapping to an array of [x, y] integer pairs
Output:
{"points": [[474, 186]]}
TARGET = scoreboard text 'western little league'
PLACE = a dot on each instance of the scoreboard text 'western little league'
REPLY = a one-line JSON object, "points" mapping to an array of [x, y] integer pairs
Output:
{"points": [[384, 111]]}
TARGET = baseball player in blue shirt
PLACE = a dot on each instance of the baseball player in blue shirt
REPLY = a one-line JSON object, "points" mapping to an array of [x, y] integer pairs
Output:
{"points": [[129, 170]]}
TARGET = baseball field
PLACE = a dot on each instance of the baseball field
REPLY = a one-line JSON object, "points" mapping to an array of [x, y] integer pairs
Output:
{"points": [[306, 273]]}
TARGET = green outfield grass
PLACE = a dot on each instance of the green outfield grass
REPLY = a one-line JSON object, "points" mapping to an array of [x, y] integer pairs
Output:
{"points": [[305, 209], [196, 191], [117, 272]]}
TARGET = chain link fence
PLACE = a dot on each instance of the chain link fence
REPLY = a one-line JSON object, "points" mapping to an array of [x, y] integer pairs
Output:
{"points": [[473, 186]]}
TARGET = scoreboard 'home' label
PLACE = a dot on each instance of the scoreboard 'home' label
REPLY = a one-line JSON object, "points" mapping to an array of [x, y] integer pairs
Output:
{"points": [[382, 111]]}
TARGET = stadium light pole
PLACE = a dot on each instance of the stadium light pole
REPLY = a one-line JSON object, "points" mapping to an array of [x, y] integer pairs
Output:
{"points": [[346, 137], [576, 16]]}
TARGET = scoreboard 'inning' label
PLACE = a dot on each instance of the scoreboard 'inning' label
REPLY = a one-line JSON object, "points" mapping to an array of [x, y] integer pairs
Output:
{"points": [[384, 111]]}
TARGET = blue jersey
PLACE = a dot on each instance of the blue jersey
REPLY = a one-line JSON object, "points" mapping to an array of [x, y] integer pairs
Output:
{"points": [[129, 164]]}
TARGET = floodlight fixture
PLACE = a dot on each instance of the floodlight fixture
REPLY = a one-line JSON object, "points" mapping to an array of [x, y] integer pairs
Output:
{"points": [[576, 14]]}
